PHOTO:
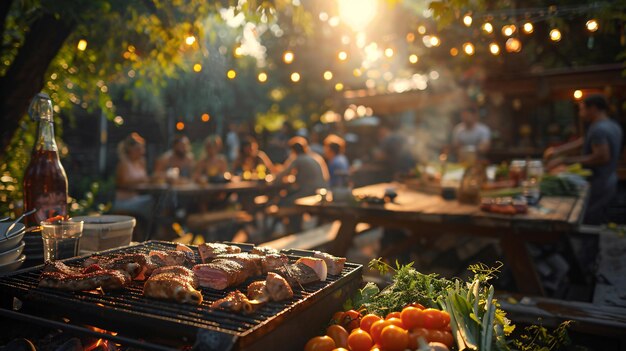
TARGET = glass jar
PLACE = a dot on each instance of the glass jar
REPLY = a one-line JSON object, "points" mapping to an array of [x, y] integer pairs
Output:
{"points": [[517, 171], [534, 170]]}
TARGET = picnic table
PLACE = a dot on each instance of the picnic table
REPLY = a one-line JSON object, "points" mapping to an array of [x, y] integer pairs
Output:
{"points": [[431, 215]]}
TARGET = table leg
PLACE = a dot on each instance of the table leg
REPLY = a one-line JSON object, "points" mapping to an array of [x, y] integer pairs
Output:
{"points": [[521, 264], [343, 240]]}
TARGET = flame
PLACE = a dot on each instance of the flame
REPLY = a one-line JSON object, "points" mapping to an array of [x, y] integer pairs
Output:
{"points": [[100, 342]]}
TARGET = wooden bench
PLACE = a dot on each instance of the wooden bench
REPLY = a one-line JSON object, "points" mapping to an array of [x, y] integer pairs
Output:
{"points": [[315, 238], [203, 221], [591, 319]]}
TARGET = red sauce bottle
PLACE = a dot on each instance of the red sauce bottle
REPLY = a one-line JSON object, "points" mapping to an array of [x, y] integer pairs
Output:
{"points": [[45, 181]]}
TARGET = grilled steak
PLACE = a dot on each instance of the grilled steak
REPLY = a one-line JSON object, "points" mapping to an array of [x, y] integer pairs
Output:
{"points": [[263, 251], [105, 279], [256, 263], [172, 258], [220, 274], [297, 274], [334, 264], [257, 291], [236, 301], [173, 283], [211, 250], [138, 265], [277, 287]]}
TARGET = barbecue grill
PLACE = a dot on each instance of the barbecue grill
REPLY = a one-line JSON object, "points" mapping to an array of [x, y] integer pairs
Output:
{"points": [[284, 325]]}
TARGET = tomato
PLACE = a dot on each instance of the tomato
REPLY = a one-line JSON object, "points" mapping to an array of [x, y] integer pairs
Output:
{"points": [[336, 319], [445, 316], [338, 334], [394, 338], [417, 305], [359, 340], [447, 339], [393, 315], [412, 317], [376, 328], [415, 335], [433, 319], [368, 320], [397, 322], [320, 343], [350, 320]]}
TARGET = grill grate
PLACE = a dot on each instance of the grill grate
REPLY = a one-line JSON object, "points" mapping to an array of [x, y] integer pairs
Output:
{"points": [[129, 306]]}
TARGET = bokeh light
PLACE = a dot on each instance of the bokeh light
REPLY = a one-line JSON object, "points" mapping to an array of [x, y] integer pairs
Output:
{"points": [[82, 45], [357, 13], [389, 52], [413, 58], [180, 126], [578, 94], [342, 55], [328, 75], [197, 67], [339, 86], [262, 77], [528, 28], [288, 57], [555, 35], [205, 117], [454, 52], [494, 49], [592, 26], [295, 77], [231, 74], [469, 49], [467, 20], [509, 30], [488, 28], [513, 45], [190, 40]]}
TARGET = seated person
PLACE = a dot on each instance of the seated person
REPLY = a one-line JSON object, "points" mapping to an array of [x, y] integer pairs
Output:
{"points": [[310, 170], [179, 157], [131, 171], [470, 134], [338, 165], [213, 163], [250, 157]]}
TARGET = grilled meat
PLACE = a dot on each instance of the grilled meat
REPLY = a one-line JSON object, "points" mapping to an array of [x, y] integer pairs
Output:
{"points": [[172, 258], [277, 287], [236, 301], [220, 274], [105, 279], [183, 247], [60, 267], [210, 250], [273, 261], [297, 274], [317, 264], [257, 263], [138, 265], [334, 264], [173, 283], [257, 291], [263, 251]]}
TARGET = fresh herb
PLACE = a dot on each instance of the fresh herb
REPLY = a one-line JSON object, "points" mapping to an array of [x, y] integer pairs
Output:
{"points": [[536, 337]]}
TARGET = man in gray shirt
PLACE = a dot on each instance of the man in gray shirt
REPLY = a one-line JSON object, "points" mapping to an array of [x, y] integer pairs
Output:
{"points": [[310, 170], [471, 134], [601, 149]]}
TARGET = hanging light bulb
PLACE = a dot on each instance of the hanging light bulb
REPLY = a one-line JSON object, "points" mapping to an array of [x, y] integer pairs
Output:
{"points": [[82, 44], [528, 28], [467, 20], [578, 94], [509, 30], [488, 28], [342, 55], [555, 35], [494, 49], [513, 45], [454, 52], [413, 58], [295, 77], [468, 48], [328, 75], [288, 57], [592, 25], [434, 41], [190, 40], [262, 77]]}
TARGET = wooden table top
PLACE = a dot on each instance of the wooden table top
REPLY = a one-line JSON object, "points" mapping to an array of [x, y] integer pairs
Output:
{"points": [[194, 188], [412, 205]]}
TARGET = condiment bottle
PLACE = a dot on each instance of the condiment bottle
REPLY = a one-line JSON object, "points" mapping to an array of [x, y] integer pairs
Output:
{"points": [[45, 181]]}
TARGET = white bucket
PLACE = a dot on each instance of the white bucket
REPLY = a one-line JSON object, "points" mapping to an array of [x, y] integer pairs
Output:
{"points": [[105, 232]]}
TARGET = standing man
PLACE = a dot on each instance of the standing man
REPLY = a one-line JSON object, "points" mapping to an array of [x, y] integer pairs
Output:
{"points": [[470, 134], [601, 148]]}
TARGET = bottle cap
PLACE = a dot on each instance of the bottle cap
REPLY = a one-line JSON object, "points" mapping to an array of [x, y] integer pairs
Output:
{"points": [[40, 107]]}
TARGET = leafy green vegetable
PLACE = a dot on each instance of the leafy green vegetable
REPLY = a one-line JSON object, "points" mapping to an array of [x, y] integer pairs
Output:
{"points": [[557, 186], [536, 337]]}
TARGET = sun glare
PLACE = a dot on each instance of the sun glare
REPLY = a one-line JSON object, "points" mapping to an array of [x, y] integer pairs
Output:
{"points": [[357, 13]]}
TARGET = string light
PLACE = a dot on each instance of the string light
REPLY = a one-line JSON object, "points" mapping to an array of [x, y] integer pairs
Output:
{"points": [[288, 57], [434, 41], [205, 117], [238, 51], [262, 77], [413, 58], [190, 40], [555, 35], [468, 48], [197, 67], [454, 52], [421, 30], [180, 126], [410, 37], [494, 49], [488, 28], [295, 77], [82, 44], [357, 72], [513, 45], [231, 74], [528, 28], [338, 86], [578, 94], [342, 55], [467, 20], [509, 30], [328, 75], [592, 26], [389, 52]]}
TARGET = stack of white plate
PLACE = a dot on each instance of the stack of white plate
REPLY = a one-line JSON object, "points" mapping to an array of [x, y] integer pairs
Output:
{"points": [[11, 247]]}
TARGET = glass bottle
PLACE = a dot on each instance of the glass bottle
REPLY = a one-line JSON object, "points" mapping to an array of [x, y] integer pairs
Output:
{"points": [[45, 181]]}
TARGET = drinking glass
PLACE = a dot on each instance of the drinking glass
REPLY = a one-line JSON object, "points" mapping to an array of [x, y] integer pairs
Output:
{"points": [[61, 239]]}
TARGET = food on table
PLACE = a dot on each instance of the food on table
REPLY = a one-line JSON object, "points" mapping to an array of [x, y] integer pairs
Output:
{"points": [[333, 263], [220, 274], [264, 250], [359, 340], [172, 258], [320, 343], [557, 186], [183, 247], [368, 320], [236, 301], [339, 334], [505, 205], [138, 265], [297, 274], [210, 250], [258, 291], [394, 338], [59, 276], [317, 264], [278, 287], [175, 283]]}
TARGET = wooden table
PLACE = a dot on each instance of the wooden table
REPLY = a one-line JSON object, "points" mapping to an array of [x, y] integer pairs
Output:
{"points": [[428, 215]]}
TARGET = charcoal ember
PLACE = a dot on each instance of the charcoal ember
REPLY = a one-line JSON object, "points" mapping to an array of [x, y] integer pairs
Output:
{"points": [[73, 344], [19, 345]]}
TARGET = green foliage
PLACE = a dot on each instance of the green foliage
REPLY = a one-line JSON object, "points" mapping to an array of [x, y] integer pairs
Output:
{"points": [[538, 338]]}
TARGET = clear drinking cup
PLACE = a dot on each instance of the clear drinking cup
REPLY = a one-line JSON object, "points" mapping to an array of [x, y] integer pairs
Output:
{"points": [[61, 239]]}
